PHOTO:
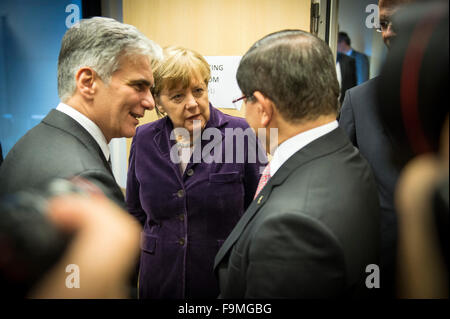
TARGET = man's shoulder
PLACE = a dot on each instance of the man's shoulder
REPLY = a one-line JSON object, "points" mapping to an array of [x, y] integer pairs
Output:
{"points": [[52, 148], [360, 101], [54, 138], [314, 159], [344, 58], [359, 54], [364, 93], [311, 165], [325, 172]]}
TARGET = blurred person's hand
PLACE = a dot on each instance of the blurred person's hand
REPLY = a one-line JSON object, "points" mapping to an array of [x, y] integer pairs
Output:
{"points": [[104, 246], [421, 269]]}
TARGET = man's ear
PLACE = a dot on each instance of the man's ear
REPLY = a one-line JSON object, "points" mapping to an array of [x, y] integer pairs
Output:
{"points": [[265, 108], [86, 82]]}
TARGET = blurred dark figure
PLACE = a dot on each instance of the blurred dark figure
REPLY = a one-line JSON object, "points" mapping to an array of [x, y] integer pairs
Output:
{"points": [[360, 120], [347, 79], [361, 60], [413, 95], [1, 154], [44, 233]]}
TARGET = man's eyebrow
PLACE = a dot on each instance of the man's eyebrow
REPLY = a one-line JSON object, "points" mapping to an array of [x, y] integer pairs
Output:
{"points": [[139, 82]]}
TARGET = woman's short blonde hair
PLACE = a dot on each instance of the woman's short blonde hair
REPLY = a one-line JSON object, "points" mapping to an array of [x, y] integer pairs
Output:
{"points": [[179, 66]]}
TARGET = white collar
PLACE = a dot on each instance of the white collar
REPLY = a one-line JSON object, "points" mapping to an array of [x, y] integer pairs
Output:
{"points": [[339, 74], [292, 145], [88, 125]]}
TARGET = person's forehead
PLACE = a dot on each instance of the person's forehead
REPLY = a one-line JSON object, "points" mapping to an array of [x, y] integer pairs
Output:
{"points": [[386, 12], [194, 80], [135, 67], [135, 61], [389, 7]]}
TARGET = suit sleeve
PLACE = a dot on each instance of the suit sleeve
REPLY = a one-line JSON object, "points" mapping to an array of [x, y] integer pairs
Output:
{"points": [[347, 119], [293, 256], [132, 194], [107, 184]]}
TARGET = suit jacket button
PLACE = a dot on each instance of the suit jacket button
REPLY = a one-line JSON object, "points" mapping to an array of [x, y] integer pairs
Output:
{"points": [[190, 172], [180, 193], [181, 241]]}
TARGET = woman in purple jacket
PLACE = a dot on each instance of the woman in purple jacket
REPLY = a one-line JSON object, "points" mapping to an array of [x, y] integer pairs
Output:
{"points": [[192, 174]]}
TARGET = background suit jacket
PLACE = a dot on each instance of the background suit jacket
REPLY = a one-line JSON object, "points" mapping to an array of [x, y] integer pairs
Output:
{"points": [[360, 120], [311, 231], [348, 73], [362, 66], [58, 147]]}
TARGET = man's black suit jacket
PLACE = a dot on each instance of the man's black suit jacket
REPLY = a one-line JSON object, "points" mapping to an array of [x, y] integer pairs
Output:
{"points": [[348, 73], [310, 233], [58, 147], [360, 120]]}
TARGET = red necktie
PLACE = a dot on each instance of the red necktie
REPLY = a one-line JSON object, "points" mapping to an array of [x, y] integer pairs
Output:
{"points": [[263, 180]]}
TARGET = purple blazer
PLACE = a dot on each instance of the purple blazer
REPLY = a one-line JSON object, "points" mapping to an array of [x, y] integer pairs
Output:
{"points": [[186, 218]]}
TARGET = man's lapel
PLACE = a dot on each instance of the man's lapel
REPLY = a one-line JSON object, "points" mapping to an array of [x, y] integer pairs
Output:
{"points": [[66, 123]]}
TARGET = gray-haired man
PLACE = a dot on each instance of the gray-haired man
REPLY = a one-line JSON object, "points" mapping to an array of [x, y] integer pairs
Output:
{"points": [[104, 80]]}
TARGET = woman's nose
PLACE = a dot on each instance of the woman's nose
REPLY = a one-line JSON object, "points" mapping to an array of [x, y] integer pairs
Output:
{"points": [[191, 102]]}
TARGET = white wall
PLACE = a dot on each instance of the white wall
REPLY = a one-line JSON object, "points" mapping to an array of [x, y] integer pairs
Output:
{"points": [[118, 148]]}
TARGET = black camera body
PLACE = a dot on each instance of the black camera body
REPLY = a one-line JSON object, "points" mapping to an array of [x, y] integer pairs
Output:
{"points": [[29, 243]]}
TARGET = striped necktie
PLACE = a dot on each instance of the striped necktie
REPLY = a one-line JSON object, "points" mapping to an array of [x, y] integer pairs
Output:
{"points": [[263, 180]]}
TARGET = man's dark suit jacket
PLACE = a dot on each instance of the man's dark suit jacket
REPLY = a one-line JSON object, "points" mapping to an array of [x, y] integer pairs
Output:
{"points": [[310, 233], [359, 119], [58, 147], [1, 154], [348, 73]]}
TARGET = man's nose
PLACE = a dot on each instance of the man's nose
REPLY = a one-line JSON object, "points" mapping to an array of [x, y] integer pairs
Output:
{"points": [[148, 102]]}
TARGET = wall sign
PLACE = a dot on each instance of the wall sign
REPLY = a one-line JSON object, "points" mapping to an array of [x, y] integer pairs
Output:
{"points": [[223, 87]]}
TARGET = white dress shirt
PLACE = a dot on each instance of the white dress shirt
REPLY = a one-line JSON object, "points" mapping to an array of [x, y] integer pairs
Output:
{"points": [[88, 125], [339, 74], [289, 147]]}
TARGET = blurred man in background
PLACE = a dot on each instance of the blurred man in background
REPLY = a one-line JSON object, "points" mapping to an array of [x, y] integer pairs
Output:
{"points": [[346, 73], [361, 60]]}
